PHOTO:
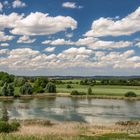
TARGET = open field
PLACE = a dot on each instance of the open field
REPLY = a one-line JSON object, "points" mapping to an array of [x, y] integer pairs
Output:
{"points": [[100, 89]]}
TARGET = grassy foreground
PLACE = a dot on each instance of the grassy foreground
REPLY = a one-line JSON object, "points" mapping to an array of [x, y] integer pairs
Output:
{"points": [[42, 130], [102, 137]]}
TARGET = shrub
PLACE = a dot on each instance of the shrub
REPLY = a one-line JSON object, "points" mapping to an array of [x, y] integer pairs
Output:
{"points": [[5, 127], [89, 91], [75, 92], [130, 94], [69, 86], [15, 125]]}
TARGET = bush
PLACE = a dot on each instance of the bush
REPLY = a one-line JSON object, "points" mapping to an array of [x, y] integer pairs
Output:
{"points": [[14, 125], [5, 127], [69, 86], [75, 92], [130, 94], [89, 91]]}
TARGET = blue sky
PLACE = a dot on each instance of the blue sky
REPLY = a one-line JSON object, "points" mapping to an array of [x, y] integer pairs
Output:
{"points": [[70, 37]]}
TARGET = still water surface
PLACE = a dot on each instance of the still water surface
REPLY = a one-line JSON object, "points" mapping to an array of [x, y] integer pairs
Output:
{"points": [[73, 109]]}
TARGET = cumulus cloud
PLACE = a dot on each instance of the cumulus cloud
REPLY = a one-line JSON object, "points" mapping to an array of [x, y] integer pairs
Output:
{"points": [[25, 39], [27, 58], [18, 4], [36, 23], [4, 44], [49, 49], [112, 27], [9, 21], [42, 24], [58, 42], [4, 37], [71, 5], [92, 43]]}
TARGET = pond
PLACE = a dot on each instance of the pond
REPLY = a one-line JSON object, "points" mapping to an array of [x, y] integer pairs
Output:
{"points": [[73, 109]]}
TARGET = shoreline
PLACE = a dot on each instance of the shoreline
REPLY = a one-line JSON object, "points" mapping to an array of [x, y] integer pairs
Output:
{"points": [[52, 95]]}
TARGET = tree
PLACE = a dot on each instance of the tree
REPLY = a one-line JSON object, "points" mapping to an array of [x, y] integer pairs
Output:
{"points": [[51, 87], [5, 89], [10, 89], [26, 89], [19, 81], [89, 91]]}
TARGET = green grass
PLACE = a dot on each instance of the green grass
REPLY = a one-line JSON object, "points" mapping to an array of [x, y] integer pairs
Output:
{"points": [[103, 137], [100, 89]]}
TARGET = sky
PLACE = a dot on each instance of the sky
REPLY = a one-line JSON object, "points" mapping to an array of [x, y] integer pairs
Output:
{"points": [[70, 37]]}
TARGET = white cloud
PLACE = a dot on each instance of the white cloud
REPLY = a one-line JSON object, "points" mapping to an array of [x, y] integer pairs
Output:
{"points": [[72, 58], [96, 44], [4, 44], [112, 27], [4, 37], [9, 21], [25, 39], [71, 5], [69, 35], [92, 43], [1, 7], [49, 49], [58, 42], [18, 4], [42, 24]]}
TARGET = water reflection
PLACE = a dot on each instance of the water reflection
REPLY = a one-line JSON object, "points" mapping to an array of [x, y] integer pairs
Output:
{"points": [[73, 109]]}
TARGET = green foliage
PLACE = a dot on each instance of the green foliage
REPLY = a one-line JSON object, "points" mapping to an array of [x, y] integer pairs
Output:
{"points": [[51, 88], [5, 77], [5, 127], [14, 125], [75, 92], [19, 81], [90, 82], [26, 89], [130, 94], [89, 91], [37, 89], [5, 90], [40, 84], [10, 89], [69, 86]]}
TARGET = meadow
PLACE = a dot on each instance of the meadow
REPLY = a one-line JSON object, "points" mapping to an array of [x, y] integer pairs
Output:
{"points": [[112, 90]]}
